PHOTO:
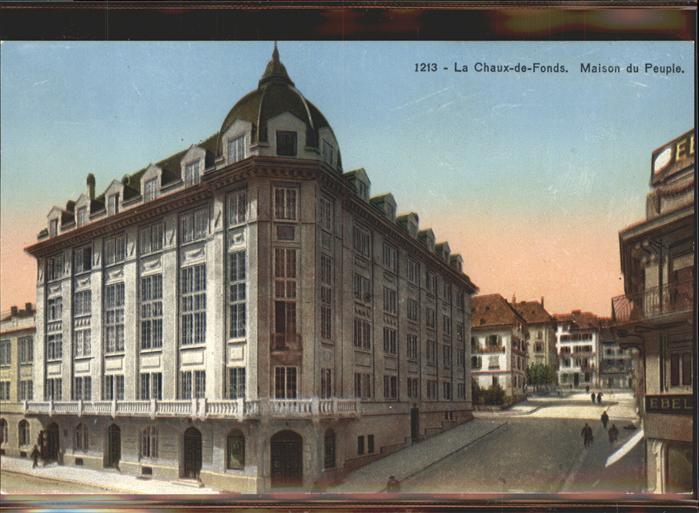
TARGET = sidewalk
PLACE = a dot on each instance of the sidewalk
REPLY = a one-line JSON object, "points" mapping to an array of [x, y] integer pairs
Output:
{"points": [[416, 458], [111, 481]]}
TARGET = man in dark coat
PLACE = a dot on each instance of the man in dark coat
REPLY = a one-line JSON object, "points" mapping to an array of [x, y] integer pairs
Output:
{"points": [[599, 398], [592, 396], [613, 434], [586, 433], [35, 456], [605, 419]]}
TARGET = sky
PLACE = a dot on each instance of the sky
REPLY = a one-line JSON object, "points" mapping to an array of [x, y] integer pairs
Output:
{"points": [[529, 176]]}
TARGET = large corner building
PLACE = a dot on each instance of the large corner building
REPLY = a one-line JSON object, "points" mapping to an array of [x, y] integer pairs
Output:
{"points": [[245, 313]]}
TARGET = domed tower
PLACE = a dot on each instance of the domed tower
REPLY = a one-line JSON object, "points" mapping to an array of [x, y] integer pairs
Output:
{"points": [[276, 120]]}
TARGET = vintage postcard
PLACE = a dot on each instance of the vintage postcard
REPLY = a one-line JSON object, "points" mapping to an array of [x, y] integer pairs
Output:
{"points": [[348, 267]]}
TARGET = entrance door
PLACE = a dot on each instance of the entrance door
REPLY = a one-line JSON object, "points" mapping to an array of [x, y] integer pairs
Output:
{"points": [[52, 442], [414, 424], [113, 446], [576, 380], [287, 459], [192, 453]]}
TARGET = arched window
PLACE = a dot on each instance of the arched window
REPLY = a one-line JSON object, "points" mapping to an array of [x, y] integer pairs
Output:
{"points": [[235, 450], [329, 446], [24, 435], [3, 431], [81, 441], [149, 442]]}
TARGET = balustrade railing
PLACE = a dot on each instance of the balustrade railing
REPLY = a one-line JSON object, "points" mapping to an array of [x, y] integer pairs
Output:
{"points": [[654, 302]]}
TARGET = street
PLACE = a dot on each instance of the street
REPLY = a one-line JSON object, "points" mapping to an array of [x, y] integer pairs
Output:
{"points": [[24, 484]]}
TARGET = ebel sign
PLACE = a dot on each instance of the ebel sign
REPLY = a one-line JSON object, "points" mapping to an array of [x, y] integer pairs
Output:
{"points": [[674, 404], [672, 157]]}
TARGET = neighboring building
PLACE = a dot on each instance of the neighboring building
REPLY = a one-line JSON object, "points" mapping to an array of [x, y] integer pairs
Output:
{"points": [[577, 342], [657, 314], [498, 345], [244, 313], [616, 362], [17, 330], [541, 329]]}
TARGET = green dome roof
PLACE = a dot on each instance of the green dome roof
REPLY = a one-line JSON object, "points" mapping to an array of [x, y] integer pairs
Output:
{"points": [[275, 94]]}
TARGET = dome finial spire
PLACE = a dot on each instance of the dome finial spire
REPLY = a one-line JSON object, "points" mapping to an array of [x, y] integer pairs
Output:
{"points": [[275, 53], [275, 70]]}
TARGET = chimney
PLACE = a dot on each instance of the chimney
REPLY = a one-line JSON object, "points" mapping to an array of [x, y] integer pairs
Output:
{"points": [[13, 310], [542, 301], [28, 307], [91, 186], [514, 298]]}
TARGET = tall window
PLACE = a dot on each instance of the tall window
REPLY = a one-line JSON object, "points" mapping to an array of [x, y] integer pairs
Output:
{"points": [[446, 356], [412, 346], [285, 382], [4, 390], [112, 204], [81, 437], [114, 387], [149, 442], [390, 341], [413, 311], [192, 384], [328, 153], [194, 225], [24, 435], [53, 227], [26, 349], [150, 238], [54, 267], [5, 358], [446, 324], [413, 271], [82, 259], [413, 388], [235, 450], [237, 207], [54, 346], [390, 387], [114, 317], [361, 241], [432, 389], [325, 214], [54, 328], [326, 385], [26, 390], [326, 280], [150, 189], [236, 294], [54, 309], [285, 203], [152, 311], [431, 353], [362, 385], [430, 318], [114, 249], [151, 386], [191, 173], [81, 216], [361, 287], [362, 334], [285, 294], [236, 149], [446, 391], [193, 304], [82, 388], [431, 282], [390, 257], [286, 143], [53, 389], [82, 310], [236, 383], [329, 449], [680, 368], [390, 301]]}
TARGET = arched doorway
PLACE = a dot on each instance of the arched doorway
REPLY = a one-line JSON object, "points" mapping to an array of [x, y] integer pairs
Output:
{"points": [[287, 459], [192, 453], [52, 442], [113, 446]]}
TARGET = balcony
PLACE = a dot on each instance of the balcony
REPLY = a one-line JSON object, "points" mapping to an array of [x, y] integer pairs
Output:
{"points": [[654, 303], [201, 408], [488, 349], [286, 342]]}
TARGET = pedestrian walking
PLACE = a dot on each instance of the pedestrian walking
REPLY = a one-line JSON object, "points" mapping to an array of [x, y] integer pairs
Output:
{"points": [[592, 396], [613, 434], [605, 419], [35, 456], [599, 398], [587, 388], [393, 484], [586, 433]]}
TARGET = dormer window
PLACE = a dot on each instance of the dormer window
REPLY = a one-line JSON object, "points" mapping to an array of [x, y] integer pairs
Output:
{"points": [[81, 216], [191, 173], [150, 189], [328, 153], [390, 211], [112, 204], [363, 190], [53, 227], [236, 149], [286, 143]]}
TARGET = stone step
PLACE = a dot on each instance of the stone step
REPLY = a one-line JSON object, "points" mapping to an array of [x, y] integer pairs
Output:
{"points": [[192, 483]]}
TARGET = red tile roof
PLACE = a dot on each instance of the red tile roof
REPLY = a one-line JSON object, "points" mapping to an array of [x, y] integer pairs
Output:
{"points": [[580, 320], [533, 312], [493, 310]]}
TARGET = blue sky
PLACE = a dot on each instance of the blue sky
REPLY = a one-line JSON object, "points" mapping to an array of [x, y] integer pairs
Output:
{"points": [[473, 154]]}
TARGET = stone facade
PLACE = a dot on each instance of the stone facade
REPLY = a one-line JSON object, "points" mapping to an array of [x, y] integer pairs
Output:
{"points": [[253, 317]]}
